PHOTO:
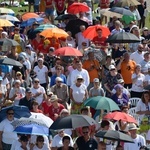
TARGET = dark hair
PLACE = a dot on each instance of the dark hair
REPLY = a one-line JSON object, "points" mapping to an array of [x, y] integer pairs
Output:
{"points": [[34, 102], [65, 138], [104, 123], [39, 138], [84, 109], [23, 138], [142, 98], [9, 110], [85, 127]]}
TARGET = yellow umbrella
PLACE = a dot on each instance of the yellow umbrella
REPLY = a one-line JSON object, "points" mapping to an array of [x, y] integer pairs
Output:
{"points": [[6, 11], [54, 32], [123, 3], [5, 23]]}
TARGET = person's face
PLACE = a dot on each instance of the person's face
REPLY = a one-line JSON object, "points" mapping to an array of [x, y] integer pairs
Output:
{"points": [[82, 28], [107, 127], [17, 85], [64, 114], [136, 31], [58, 83], [79, 81], [140, 48], [119, 90], [91, 56], [40, 142], [19, 76], [28, 50], [138, 69], [84, 112], [58, 70], [24, 143], [146, 97], [61, 133], [101, 146], [58, 62], [10, 115], [125, 110], [79, 65], [145, 32], [96, 84], [35, 106], [147, 57], [99, 32], [126, 57], [28, 94], [36, 83], [40, 62], [85, 132], [66, 142], [133, 132]]}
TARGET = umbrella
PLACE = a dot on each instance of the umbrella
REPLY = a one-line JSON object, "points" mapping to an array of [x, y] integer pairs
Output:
{"points": [[5, 23], [44, 119], [33, 129], [66, 16], [6, 11], [10, 62], [19, 111], [124, 3], [8, 42], [44, 27], [72, 122], [54, 32], [28, 16], [123, 37], [74, 26], [120, 116], [122, 11], [76, 8], [112, 14], [30, 21], [27, 121], [10, 18], [67, 51], [90, 32], [114, 135], [101, 102]]}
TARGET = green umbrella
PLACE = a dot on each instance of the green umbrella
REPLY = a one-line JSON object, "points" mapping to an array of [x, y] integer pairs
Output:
{"points": [[44, 26], [101, 102]]}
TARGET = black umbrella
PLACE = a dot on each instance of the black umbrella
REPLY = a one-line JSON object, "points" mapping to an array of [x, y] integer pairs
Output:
{"points": [[123, 37], [66, 16], [74, 26], [72, 122], [10, 62], [114, 135]]}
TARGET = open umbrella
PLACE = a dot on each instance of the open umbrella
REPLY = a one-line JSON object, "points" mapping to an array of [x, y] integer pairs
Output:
{"points": [[101, 102], [76, 8], [6, 11], [5, 23], [32, 129], [10, 62], [124, 3], [90, 32], [72, 122], [9, 17], [112, 14], [120, 116], [114, 135], [8, 42], [123, 37], [19, 111], [54, 32], [28, 16], [67, 51], [44, 27], [66, 16]]}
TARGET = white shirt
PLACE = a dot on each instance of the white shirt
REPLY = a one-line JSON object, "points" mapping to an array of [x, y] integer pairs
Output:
{"points": [[71, 43], [32, 58], [40, 72], [27, 64], [83, 73], [135, 56], [144, 66], [8, 135], [43, 148], [114, 31], [138, 142], [78, 93], [148, 135], [147, 78]]}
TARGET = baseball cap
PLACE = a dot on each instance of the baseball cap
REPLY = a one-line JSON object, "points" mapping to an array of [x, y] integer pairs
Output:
{"points": [[51, 49], [21, 58], [28, 90], [96, 80], [40, 59], [79, 77], [36, 79], [145, 29], [112, 67]]}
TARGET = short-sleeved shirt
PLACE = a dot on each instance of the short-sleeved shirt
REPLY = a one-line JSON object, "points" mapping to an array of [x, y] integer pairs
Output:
{"points": [[100, 41]]}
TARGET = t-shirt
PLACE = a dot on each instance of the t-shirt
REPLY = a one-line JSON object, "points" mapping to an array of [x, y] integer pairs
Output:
{"points": [[43, 148], [96, 92], [137, 57], [100, 41], [42, 49], [147, 78]]}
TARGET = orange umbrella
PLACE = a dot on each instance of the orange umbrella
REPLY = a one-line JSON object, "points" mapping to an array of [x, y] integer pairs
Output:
{"points": [[76, 8], [90, 32], [54, 32], [67, 51], [27, 16]]}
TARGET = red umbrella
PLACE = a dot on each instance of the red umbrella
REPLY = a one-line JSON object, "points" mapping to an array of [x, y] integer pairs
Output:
{"points": [[67, 51], [120, 116], [90, 32], [76, 8]]}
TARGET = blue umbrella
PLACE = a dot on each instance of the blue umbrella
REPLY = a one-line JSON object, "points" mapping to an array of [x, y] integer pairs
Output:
{"points": [[19, 111], [33, 129], [29, 22]]}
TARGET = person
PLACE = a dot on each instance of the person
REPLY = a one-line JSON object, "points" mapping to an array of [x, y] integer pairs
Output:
{"points": [[138, 139], [137, 82], [102, 146], [70, 40], [7, 136], [35, 106], [85, 141], [147, 78], [60, 6], [55, 108], [145, 33], [78, 93], [13, 53], [143, 106], [24, 143], [61, 90], [66, 142]]}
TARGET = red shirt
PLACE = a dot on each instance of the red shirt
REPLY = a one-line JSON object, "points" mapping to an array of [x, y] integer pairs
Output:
{"points": [[99, 41], [35, 43], [104, 4], [48, 2], [60, 5], [53, 111], [38, 111], [45, 108], [43, 50]]}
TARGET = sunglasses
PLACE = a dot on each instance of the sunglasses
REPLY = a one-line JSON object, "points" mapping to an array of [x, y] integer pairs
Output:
{"points": [[79, 79], [36, 81], [10, 113]]}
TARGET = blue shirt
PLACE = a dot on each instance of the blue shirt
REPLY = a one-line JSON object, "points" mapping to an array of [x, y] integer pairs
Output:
{"points": [[5, 68]]}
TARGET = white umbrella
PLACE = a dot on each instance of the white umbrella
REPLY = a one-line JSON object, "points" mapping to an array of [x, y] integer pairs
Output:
{"points": [[9, 17], [6, 11]]}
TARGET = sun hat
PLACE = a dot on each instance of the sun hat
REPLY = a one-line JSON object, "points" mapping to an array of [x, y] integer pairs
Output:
{"points": [[111, 67], [132, 126]]}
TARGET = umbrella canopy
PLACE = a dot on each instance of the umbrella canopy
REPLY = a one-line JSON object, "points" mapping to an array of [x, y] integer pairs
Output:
{"points": [[44, 119], [72, 122], [122, 11], [76, 8], [114, 135], [28, 16], [120, 116], [10, 18], [54, 32], [74, 26], [112, 14], [66, 16], [10, 62], [19, 111], [124, 3], [90, 32], [44, 27], [101, 102], [8, 42], [67, 51], [29, 22], [6, 11], [123, 37], [33, 129], [5, 23]]}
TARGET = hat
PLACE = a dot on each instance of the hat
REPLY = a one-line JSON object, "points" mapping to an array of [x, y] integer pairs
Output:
{"points": [[79, 77], [18, 73], [54, 98], [40, 59], [138, 65], [46, 42], [120, 81], [145, 29], [58, 79], [36, 79], [51, 49], [21, 58], [5, 33], [96, 80], [1, 78], [112, 67], [28, 90], [17, 81], [118, 86], [29, 47], [49, 93], [8, 103], [134, 26], [132, 126], [23, 54], [40, 54]]}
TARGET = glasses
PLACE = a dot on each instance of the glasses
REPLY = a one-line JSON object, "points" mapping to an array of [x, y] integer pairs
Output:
{"points": [[10, 113], [36, 81]]}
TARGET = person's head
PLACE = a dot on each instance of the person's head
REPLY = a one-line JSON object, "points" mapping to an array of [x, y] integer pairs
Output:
{"points": [[81, 14], [105, 124], [51, 50], [145, 31], [79, 80], [58, 69], [117, 24], [18, 75], [58, 61], [86, 131], [21, 59], [96, 82], [140, 48], [36, 82], [35, 105], [69, 33], [99, 32], [54, 99], [16, 30], [78, 64], [29, 49], [147, 56], [108, 59], [112, 70], [13, 49], [82, 28], [85, 111], [10, 114], [101, 146], [64, 113], [126, 56], [145, 97], [91, 56], [135, 30], [58, 81], [119, 89], [137, 68], [40, 62], [28, 93], [40, 141], [132, 128], [41, 55], [119, 147], [66, 141], [24, 140], [61, 133], [35, 25], [121, 81], [17, 83], [125, 109], [4, 34]]}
